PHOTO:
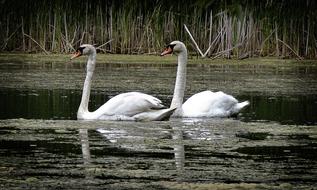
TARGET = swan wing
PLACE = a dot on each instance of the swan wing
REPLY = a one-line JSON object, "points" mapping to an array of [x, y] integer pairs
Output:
{"points": [[209, 104], [129, 104]]}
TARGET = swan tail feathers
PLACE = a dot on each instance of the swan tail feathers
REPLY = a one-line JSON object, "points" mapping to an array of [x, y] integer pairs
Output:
{"points": [[155, 115], [166, 114], [240, 106]]}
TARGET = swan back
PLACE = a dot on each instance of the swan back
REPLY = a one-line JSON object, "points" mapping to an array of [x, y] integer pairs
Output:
{"points": [[129, 104], [211, 104]]}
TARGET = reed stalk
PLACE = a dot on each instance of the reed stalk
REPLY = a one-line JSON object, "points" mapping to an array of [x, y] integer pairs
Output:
{"points": [[258, 27]]}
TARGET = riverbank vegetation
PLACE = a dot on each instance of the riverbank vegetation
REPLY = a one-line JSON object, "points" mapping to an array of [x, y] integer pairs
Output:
{"points": [[229, 29]]}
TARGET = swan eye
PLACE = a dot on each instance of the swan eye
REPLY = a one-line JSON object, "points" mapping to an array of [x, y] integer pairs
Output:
{"points": [[80, 49], [78, 53], [171, 46]]}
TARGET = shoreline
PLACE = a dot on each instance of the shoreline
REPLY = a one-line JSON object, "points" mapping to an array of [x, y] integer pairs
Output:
{"points": [[150, 59]]}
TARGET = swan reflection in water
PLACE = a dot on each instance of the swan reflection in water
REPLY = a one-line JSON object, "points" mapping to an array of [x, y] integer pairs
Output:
{"points": [[179, 150], [114, 135], [84, 141], [143, 138], [176, 134]]}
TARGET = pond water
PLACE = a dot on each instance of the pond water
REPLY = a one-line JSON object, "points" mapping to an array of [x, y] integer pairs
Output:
{"points": [[63, 104], [272, 144]]}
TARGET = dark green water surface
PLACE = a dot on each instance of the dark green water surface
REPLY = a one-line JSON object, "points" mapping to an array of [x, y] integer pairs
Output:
{"points": [[285, 94], [63, 104]]}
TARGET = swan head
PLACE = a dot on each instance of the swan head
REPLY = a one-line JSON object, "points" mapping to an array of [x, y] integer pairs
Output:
{"points": [[176, 47], [85, 49]]}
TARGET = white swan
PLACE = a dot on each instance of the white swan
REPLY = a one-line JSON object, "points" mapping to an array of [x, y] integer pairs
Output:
{"points": [[126, 106], [203, 104]]}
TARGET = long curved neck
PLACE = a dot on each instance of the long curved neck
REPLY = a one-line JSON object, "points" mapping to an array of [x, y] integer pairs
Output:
{"points": [[180, 83], [83, 107]]}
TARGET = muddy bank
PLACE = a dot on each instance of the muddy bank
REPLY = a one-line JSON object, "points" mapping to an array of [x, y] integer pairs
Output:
{"points": [[176, 154]]}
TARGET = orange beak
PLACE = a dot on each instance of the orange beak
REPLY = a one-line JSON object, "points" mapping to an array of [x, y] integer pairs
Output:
{"points": [[76, 54], [166, 51]]}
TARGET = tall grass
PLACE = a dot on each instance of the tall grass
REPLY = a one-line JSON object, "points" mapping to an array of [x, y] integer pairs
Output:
{"points": [[232, 28]]}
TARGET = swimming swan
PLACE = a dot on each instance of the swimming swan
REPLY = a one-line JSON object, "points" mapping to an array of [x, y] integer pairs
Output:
{"points": [[202, 104], [127, 106]]}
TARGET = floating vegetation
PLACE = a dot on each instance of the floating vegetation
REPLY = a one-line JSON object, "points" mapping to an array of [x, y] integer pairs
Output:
{"points": [[175, 154]]}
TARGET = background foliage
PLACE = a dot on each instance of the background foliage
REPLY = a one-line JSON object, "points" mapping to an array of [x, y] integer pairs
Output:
{"points": [[233, 28]]}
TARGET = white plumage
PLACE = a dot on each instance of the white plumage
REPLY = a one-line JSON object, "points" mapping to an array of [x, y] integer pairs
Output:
{"points": [[127, 106], [211, 104], [202, 104]]}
